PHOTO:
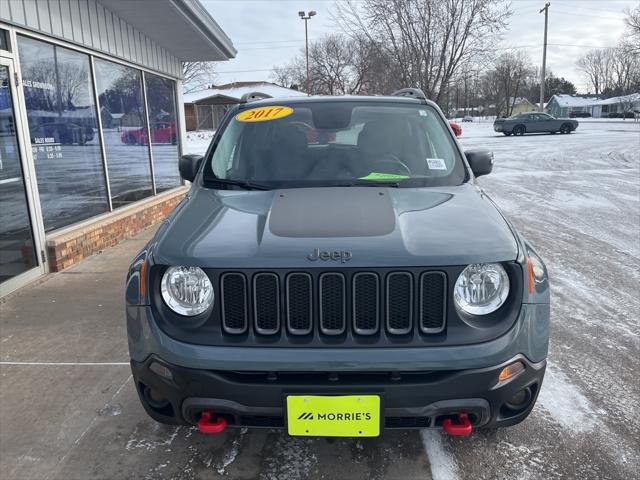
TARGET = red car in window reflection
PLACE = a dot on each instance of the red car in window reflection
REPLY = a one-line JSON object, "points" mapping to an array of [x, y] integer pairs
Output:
{"points": [[161, 132]]}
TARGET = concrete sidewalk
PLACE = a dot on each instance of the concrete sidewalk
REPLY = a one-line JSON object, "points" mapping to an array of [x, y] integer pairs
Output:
{"points": [[69, 410]]}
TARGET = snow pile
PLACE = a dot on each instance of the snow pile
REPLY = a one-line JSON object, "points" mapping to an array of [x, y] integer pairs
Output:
{"points": [[198, 141]]}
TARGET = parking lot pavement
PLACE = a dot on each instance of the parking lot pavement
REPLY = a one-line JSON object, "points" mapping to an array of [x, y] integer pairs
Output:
{"points": [[68, 409]]}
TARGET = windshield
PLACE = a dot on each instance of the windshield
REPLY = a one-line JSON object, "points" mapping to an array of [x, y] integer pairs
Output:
{"points": [[336, 143]]}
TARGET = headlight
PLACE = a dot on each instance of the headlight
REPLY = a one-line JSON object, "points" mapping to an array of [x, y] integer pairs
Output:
{"points": [[186, 290], [481, 288]]}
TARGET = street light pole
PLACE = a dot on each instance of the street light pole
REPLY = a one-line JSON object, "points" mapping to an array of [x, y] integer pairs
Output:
{"points": [[306, 17], [544, 54]]}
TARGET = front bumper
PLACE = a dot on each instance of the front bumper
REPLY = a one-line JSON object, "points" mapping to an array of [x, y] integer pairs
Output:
{"points": [[409, 399], [419, 387]]}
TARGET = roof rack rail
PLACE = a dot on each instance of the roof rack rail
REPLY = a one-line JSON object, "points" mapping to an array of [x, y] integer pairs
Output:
{"points": [[253, 96], [411, 93]]}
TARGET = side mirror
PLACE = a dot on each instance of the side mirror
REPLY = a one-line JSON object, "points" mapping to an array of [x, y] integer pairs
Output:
{"points": [[189, 165], [480, 161]]}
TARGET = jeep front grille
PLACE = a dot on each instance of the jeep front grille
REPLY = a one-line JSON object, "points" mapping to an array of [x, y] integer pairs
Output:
{"points": [[299, 303], [266, 303], [433, 294], [233, 290], [366, 302], [333, 304]]}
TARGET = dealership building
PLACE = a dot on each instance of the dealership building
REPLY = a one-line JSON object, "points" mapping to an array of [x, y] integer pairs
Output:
{"points": [[91, 124]]}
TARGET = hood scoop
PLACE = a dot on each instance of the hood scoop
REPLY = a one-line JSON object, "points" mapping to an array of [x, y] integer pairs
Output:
{"points": [[332, 212]]}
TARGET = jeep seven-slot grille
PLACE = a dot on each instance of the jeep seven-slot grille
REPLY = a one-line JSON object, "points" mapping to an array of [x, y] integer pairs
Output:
{"points": [[266, 303], [333, 311], [233, 288], [299, 303], [331, 303]]}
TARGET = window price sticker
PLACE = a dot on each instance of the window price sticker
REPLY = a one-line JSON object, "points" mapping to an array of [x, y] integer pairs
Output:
{"points": [[264, 114], [436, 164]]}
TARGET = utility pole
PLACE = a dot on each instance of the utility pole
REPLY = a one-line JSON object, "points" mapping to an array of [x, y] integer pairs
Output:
{"points": [[306, 17], [544, 54]]}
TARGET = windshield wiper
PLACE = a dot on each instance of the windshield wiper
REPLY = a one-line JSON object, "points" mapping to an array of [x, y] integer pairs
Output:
{"points": [[369, 183], [247, 185]]}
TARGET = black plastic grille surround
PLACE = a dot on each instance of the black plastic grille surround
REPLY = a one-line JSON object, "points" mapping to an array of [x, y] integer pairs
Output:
{"points": [[399, 303], [299, 303], [266, 303], [366, 299], [331, 304], [233, 289], [432, 294]]}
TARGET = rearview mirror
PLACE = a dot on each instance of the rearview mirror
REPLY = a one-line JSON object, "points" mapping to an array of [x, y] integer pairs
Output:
{"points": [[480, 161], [189, 165]]}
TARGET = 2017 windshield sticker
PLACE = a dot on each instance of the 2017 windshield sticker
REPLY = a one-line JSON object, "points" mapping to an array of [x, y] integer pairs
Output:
{"points": [[264, 114], [383, 176], [436, 164]]}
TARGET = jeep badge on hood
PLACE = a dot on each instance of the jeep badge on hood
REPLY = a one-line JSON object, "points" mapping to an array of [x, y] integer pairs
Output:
{"points": [[324, 255]]}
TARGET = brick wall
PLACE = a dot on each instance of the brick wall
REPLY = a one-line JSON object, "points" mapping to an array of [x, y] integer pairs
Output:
{"points": [[72, 245]]}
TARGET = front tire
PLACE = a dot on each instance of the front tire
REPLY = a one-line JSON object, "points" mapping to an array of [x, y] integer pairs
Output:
{"points": [[519, 130], [565, 129]]}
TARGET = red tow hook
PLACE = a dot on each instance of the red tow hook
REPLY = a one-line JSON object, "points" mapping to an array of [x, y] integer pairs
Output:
{"points": [[463, 428], [206, 426]]}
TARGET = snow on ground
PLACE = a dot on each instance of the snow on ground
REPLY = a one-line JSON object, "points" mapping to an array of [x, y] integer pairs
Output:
{"points": [[198, 141]]}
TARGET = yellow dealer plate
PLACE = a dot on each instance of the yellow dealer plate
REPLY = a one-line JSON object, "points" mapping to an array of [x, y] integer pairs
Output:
{"points": [[264, 114], [336, 416]]}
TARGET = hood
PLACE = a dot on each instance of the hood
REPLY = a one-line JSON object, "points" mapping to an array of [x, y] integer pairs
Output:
{"points": [[325, 227]]}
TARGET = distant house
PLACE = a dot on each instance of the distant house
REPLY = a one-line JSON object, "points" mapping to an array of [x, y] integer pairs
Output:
{"points": [[522, 105], [626, 103], [564, 105], [204, 109]]}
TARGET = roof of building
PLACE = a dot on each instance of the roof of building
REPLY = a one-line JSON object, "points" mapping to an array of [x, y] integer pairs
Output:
{"points": [[183, 27], [565, 100], [632, 98], [237, 89]]}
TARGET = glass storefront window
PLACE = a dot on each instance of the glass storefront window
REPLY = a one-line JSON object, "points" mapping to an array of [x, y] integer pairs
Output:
{"points": [[17, 247], [63, 129], [164, 130], [124, 131]]}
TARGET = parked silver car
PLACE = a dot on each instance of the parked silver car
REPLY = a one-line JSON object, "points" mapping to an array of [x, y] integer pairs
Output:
{"points": [[534, 122]]}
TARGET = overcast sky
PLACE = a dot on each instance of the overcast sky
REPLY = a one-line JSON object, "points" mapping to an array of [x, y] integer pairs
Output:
{"points": [[269, 32]]}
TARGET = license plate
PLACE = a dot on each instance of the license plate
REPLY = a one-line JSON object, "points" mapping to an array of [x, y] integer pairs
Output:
{"points": [[333, 416]]}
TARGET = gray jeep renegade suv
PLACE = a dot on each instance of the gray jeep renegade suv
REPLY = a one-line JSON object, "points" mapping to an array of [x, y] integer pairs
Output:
{"points": [[335, 270]]}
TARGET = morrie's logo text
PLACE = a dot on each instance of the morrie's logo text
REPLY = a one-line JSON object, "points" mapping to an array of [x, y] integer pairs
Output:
{"points": [[338, 255], [333, 416]]}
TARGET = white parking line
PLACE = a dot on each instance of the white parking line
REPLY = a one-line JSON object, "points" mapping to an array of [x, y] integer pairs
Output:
{"points": [[443, 465], [67, 364]]}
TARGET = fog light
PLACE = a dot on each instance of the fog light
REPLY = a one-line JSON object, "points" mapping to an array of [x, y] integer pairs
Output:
{"points": [[511, 371], [154, 398], [520, 399], [161, 370]]}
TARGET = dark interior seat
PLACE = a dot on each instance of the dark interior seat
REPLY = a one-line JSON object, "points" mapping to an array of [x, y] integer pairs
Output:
{"points": [[284, 158]]}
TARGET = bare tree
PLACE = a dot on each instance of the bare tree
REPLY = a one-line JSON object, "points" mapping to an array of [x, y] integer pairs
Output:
{"points": [[506, 80], [290, 75], [625, 68], [633, 27], [197, 75], [427, 40], [596, 64], [338, 65]]}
